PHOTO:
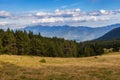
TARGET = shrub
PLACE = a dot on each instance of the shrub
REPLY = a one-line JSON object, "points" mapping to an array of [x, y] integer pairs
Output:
{"points": [[42, 61]]}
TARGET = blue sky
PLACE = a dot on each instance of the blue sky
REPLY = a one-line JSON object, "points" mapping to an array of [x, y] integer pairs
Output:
{"points": [[94, 13], [29, 5]]}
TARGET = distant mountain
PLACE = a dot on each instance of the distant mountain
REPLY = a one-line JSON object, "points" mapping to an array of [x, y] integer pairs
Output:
{"points": [[113, 34], [80, 33]]}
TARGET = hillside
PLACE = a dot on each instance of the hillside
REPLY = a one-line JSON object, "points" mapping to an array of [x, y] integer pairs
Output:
{"points": [[113, 34], [80, 33], [105, 67]]}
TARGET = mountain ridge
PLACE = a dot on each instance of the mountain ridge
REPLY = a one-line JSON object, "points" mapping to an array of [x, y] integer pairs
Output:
{"points": [[80, 33]]}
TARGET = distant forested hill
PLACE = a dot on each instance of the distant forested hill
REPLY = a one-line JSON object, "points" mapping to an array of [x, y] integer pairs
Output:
{"points": [[113, 34]]}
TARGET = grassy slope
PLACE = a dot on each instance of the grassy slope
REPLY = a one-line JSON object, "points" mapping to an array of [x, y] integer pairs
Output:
{"points": [[106, 67]]}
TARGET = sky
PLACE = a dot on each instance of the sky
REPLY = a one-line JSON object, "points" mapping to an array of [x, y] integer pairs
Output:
{"points": [[93, 13]]}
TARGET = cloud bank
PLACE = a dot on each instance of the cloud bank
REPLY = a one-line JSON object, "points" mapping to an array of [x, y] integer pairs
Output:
{"points": [[72, 17]]}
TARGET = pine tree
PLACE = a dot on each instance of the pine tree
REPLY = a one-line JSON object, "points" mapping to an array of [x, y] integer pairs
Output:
{"points": [[9, 42], [23, 42]]}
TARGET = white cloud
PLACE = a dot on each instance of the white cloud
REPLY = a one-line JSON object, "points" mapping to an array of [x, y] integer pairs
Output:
{"points": [[42, 14], [3, 23], [48, 20], [4, 14], [67, 16], [78, 10], [59, 13], [105, 12], [102, 12]]}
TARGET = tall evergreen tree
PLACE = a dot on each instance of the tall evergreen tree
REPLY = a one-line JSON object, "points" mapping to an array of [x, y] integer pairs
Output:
{"points": [[9, 42]]}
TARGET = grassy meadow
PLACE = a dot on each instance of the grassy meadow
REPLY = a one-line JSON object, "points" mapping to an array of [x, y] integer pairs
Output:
{"points": [[105, 67]]}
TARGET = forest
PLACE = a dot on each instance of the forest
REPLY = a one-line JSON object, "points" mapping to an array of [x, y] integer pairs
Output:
{"points": [[27, 43]]}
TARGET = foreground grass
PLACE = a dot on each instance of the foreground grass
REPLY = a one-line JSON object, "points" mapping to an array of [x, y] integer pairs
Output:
{"points": [[105, 67]]}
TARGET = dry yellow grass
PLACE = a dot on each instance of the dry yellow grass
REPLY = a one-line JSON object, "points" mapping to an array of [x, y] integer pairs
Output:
{"points": [[105, 67]]}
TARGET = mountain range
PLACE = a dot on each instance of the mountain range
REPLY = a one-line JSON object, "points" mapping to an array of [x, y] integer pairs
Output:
{"points": [[80, 33]]}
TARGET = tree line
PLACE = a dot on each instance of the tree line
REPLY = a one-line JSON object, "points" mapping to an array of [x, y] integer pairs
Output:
{"points": [[26, 43]]}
